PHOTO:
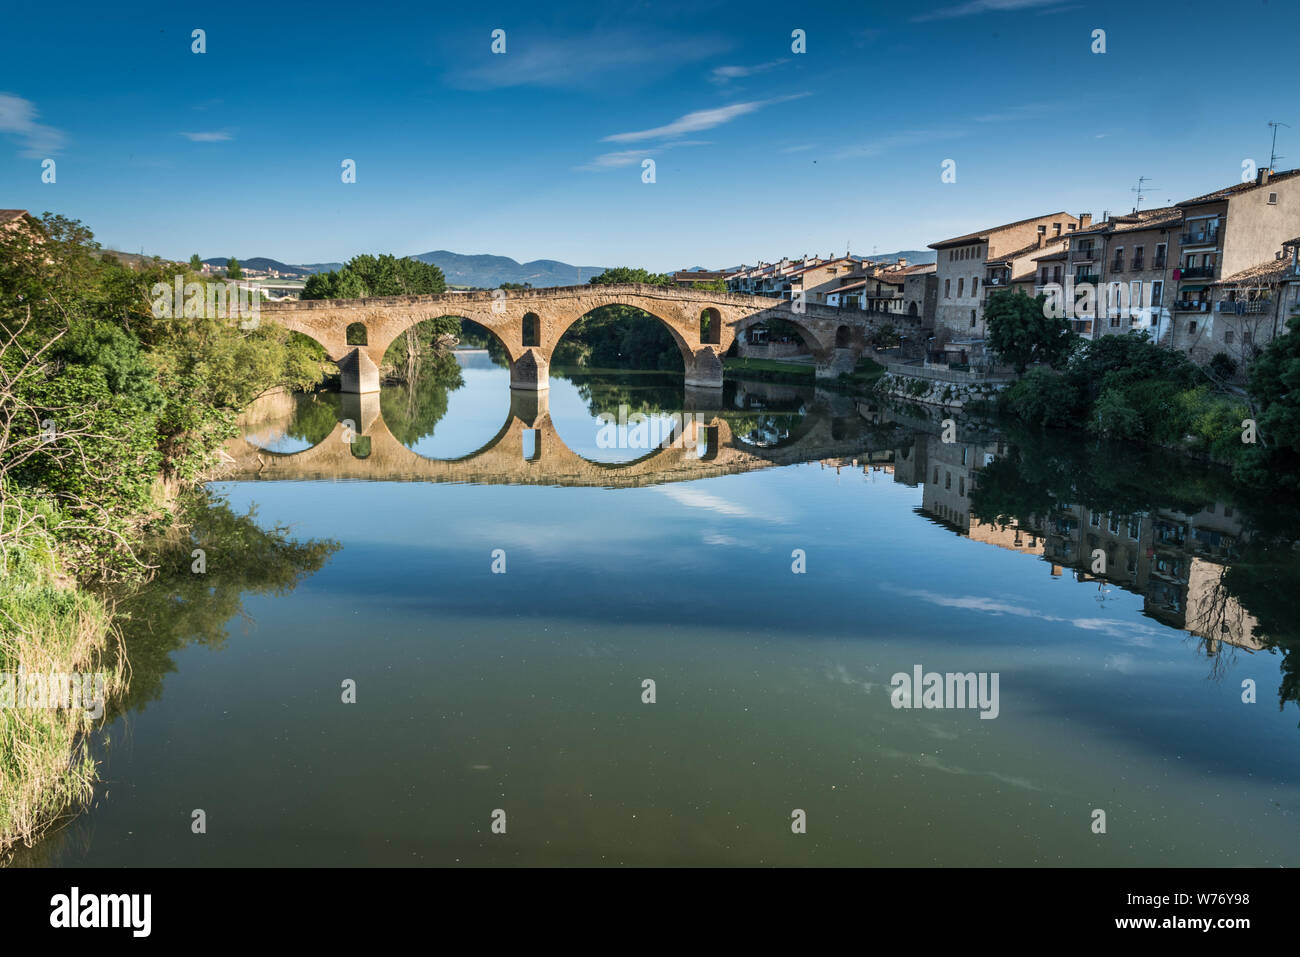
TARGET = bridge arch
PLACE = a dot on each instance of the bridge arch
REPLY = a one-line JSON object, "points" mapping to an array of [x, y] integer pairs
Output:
{"points": [[809, 338]]}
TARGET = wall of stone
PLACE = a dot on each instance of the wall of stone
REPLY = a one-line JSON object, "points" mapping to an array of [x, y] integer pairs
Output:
{"points": [[948, 395]]}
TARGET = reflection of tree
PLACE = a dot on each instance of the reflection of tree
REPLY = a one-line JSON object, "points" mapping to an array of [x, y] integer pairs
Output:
{"points": [[413, 409], [1042, 471], [180, 607], [646, 393], [314, 417], [1263, 580]]}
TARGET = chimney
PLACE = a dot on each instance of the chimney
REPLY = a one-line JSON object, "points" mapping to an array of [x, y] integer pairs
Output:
{"points": [[902, 263], [1085, 220], [1261, 178]]}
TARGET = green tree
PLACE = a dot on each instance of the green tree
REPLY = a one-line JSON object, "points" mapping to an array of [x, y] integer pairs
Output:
{"points": [[196, 264], [1274, 459], [622, 275], [1021, 331], [232, 268]]}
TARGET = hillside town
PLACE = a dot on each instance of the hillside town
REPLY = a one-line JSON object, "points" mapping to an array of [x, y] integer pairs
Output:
{"points": [[1216, 273]]}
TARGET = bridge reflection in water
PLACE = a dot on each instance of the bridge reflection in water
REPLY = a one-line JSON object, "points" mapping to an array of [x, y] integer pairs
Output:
{"points": [[528, 449]]}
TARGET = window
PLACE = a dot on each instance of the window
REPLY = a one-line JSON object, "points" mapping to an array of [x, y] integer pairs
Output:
{"points": [[1137, 258], [1094, 519], [1159, 262], [947, 288], [1246, 337], [961, 285], [1042, 230], [1056, 229], [1227, 338], [947, 482], [975, 286], [961, 487], [1157, 293], [972, 318], [1056, 273], [1134, 297], [964, 450], [1044, 279], [1119, 259], [1191, 327], [1272, 199]]}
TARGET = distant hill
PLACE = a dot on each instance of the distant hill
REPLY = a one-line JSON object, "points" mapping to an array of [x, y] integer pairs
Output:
{"points": [[491, 271], [261, 262], [483, 270], [914, 257]]}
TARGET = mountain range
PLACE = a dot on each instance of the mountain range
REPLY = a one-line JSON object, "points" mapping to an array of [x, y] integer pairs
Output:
{"points": [[488, 272]]}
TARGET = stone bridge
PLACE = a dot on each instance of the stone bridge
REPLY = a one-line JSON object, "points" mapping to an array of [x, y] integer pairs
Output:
{"points": [[703, 447], [530, 323]]}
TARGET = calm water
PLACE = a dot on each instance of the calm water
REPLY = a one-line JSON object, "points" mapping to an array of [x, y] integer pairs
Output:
{"points": [[522, 691]]}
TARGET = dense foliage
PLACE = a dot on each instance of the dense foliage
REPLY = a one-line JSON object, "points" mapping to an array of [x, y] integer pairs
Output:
{"points": [[384, 275], [1127, 387], [1022, 331]]}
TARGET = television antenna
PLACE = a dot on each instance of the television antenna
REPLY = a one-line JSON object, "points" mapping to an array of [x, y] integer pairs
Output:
{"points": [[1140, 188], [1273, 157]]}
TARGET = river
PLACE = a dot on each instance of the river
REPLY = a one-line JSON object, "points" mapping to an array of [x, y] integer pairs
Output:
{"points": [[449, 643]]}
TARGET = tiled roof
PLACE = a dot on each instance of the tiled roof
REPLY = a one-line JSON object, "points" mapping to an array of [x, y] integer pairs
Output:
{"points": [[1292, 242], [984, 233], [1017, 253], [9, 215], [849, 288], [1266, 273], [1161, 217], [1238, 188], [1059, 254]]}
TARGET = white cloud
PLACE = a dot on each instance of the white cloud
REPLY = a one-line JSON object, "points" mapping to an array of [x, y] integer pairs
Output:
{"points": [[698, 121], [18, 118], [974, 7], [213, 136], [724, 74]]}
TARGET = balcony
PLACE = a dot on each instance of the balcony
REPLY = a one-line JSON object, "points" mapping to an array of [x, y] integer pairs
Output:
{"points": [[1201, 237], [1197, 272], [997, 281], [1190, 305], [1157, 263], [1138, 266], [1253, 308], [1084, 254], [1117, 266], [1089, 277]]}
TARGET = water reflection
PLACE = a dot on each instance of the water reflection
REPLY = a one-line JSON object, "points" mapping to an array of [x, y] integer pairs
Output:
{"points": [[1104, 583]]}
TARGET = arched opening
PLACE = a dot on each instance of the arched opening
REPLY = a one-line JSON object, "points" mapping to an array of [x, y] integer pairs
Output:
{"points": [[356, 335], [532, 332], [842, 337], [360, 447], [911, 309], [710, 327]]}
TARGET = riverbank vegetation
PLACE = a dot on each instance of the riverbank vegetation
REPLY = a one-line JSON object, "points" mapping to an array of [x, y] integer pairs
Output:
{"points": [[107, 413], [1128, 387]]}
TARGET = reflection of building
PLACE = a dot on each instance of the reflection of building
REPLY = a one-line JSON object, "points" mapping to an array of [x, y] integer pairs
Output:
{"points": [[1175, 561]]}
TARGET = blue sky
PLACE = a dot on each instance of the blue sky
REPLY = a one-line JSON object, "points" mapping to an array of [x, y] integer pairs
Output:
{"points": [[536, 153]]}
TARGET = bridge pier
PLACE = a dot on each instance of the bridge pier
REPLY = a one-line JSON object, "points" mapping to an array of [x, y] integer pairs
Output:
{"points": [[700, 398], [704, 369], [529, 406], [357, 373], [361, 409], [531, 372]]}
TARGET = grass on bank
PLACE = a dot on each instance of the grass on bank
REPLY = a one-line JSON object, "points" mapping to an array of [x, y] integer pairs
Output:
{"points": [[48, 625]]}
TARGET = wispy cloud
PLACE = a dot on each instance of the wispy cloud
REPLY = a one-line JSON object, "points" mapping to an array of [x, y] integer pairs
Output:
{"points": [[725, 74], [974, 7], [885, 144], [1022, 111], [698, 121], [620, 158], [584, 60], [212, 136], [18, 118]]}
